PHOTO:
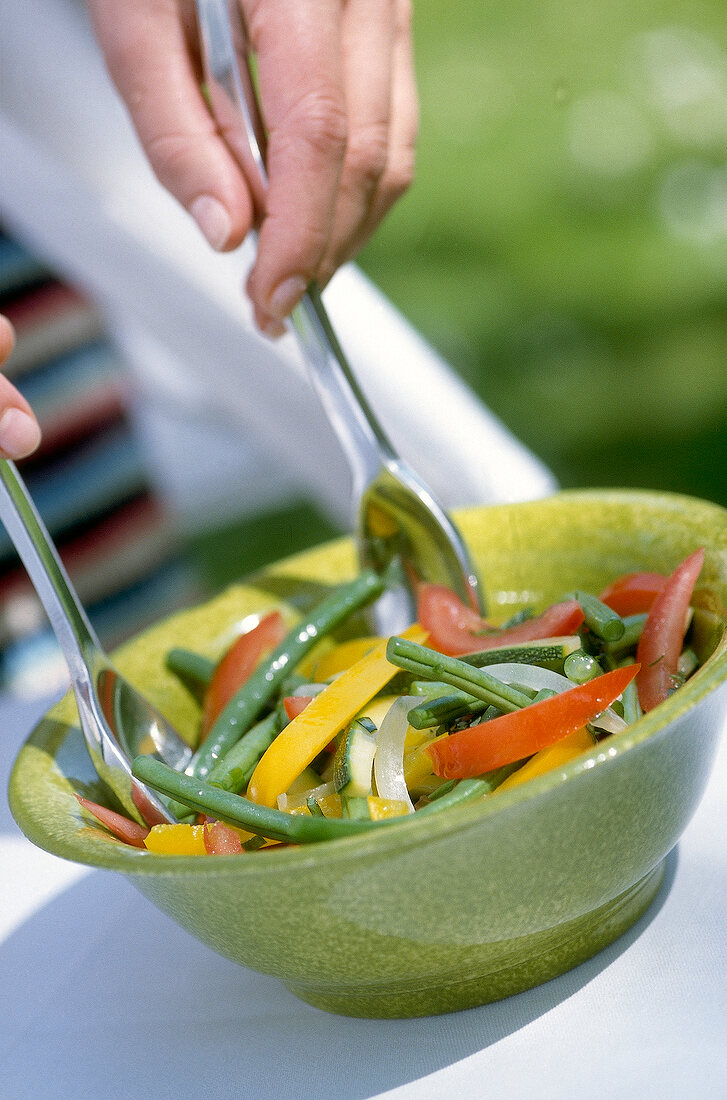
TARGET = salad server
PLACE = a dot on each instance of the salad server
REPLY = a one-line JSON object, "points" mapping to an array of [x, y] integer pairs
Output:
{"points": [[117, 722], [400, 526]]}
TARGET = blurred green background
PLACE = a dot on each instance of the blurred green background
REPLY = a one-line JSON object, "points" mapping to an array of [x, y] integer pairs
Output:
{"points": [[565, 243]]}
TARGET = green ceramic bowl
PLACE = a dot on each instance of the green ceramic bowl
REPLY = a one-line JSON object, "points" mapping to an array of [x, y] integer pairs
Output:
{"points": [[462, 908]]}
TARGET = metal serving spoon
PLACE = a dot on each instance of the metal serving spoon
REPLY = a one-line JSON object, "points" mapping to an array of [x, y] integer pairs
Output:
{"points": [[117, 722], [398, 520]]}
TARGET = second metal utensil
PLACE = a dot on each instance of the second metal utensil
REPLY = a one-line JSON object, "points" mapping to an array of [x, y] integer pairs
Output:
{"points": [[117, 722], [398, 522]]}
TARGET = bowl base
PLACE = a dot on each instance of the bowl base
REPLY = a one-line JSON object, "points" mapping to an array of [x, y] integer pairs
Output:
{"points": [[499, 969]]}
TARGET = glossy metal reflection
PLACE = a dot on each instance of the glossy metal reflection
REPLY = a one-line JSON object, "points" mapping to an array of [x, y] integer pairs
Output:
{"points": [[398, 520], [117, 722]]}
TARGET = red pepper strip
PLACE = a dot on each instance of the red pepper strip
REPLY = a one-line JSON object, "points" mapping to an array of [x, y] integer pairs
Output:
{"points": [[122, 827], [237, 665], [149, 813], [454, 628], [633, 593], [663, 634], [514, 736], [294, 704], [221, 840]]}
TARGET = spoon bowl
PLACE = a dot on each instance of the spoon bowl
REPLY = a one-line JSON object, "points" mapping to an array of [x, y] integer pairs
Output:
{"points": [[117, 722], [398, 521]]}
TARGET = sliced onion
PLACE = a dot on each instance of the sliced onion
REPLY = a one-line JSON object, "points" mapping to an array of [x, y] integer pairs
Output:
{"points": [[290, 802], [389, 756], [533, 676]]}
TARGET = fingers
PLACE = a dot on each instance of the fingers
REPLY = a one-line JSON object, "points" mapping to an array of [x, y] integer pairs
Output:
{"points": [[339, 102], [367, 49], [151, 52], [398, 174], [382, 124], [343, 123], [300, 68], [19, 431]]}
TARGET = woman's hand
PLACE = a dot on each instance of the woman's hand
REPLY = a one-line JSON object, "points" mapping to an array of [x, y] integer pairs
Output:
{"points": [[19, 431], [340, 106]]}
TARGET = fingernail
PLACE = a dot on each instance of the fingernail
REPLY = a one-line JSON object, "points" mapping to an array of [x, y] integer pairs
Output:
{"points": [[285, 296], [274, 328], [19, 433], [213, 219]]}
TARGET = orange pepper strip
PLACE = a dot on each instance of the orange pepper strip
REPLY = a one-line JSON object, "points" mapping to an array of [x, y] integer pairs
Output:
{"points": [[514, 736], [299, 743]]}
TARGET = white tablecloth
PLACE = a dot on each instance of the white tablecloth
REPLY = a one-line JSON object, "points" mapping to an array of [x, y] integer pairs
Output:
{"points": [[103, 996]]}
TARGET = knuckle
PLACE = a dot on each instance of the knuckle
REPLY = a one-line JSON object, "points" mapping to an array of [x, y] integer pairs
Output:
{"points": [[404, 15], [320, 121], [367, 153], [169, 154], [304, 249]]}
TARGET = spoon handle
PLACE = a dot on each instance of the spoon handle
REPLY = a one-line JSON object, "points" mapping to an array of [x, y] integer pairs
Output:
{"points": [[363, 439], [46, 571], [232, 93]]}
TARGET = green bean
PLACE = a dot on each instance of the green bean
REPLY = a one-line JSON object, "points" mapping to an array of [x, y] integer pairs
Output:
{"points": [[233, 771], [600, 619], [233, 808], [544, 693], [525, 689], [630, 698], [428, 663], [633, 626], [245, 707], [443, 709], [427, 689], [468, 789], [264, 821], [442, 789], [190, 666]]}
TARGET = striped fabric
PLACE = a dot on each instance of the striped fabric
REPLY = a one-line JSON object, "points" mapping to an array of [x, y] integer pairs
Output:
{"points": [[88, 479]]}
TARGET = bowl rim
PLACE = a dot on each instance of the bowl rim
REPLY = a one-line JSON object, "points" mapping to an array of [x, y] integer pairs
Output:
{"points": [[413, 830]]}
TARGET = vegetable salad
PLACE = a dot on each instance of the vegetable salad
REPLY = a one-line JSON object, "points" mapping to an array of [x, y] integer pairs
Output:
{"points": [[304, 739]]}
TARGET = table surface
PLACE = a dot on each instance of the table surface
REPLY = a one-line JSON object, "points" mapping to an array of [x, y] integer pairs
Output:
{"points": [[105, 996]]}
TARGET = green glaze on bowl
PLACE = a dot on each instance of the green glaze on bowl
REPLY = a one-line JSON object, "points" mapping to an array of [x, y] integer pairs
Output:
{"points": [[455, 910]]}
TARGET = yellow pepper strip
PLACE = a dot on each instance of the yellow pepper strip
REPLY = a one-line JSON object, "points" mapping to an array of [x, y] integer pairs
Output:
{"points": [[177, 840], [380, 808], [553, 757], [377, 709], [414, 738], [342, 657], [302, 810], [308, 734], [418, 765], [330, 804]]}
